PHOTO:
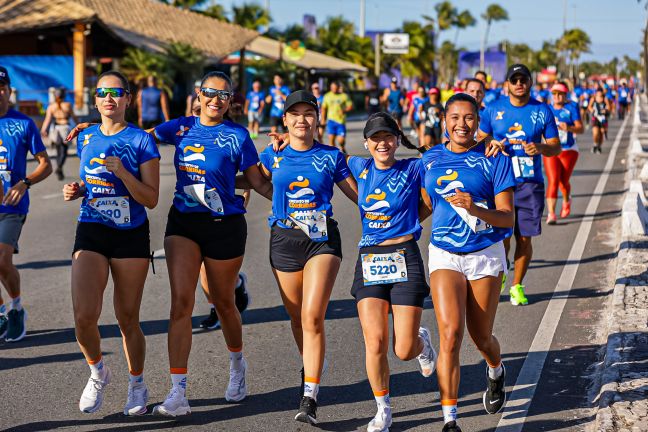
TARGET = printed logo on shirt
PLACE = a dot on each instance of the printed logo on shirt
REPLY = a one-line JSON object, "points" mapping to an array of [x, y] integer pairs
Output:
{"points": [[500, 115], [538, 116], [516, 135], [363, 174], [188, 162], [377, 202], [86, 139], [182, 131], [302, 195], [277, 160], [3, 155], [101, 161]]}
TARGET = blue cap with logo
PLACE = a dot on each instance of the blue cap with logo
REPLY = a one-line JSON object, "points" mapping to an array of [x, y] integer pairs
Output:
{"points": [[4, 75]]}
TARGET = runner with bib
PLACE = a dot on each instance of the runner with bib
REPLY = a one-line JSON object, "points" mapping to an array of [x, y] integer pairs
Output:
{"points": [[599, 109], [120, 177], [521, 123], [559, 168], [207, 225], [305, 243], [254, 105], [334, 108], [276, 98], [470, 196], [389, 271]]}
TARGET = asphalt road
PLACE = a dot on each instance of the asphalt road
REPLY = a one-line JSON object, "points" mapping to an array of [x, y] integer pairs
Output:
{"points": [[41, 377]]}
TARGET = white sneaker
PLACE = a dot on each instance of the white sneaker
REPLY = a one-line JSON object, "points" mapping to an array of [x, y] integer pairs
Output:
{"points": [[428, 357], [236, 389], [93, 393], [137, 399], [381, 422], [175, 404]]}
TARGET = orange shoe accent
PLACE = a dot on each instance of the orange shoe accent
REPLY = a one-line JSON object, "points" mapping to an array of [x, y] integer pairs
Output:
{"points": [[566, 209], [94, 362], [447, 402], [311, 380], [178, 370], [381, 393], [136, 373], [239, 349]]}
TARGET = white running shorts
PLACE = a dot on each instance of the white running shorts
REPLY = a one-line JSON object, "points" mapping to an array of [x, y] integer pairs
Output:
{"points": [[486, 262]]}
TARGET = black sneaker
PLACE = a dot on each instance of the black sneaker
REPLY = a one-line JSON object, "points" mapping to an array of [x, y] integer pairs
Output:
{"points": [[451, 426], [301, 389], [211, 322], [241, 296], [17, 326], [307, 411], [4, 323], [495, 394]]}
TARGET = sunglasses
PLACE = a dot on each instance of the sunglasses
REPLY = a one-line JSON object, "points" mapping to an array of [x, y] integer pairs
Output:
{"points": [[115, 92], [212, 93], [519, 80]]}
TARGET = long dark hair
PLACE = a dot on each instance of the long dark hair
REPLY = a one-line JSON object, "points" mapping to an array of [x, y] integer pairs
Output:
{"points": [[234, 109]]}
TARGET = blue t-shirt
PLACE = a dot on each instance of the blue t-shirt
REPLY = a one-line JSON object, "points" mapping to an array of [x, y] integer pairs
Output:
{"points": [[303, 180], [388, 199], [107, 200], [18, 135], [255, 99], [394, 101], [207, 159], [520, 125], [151, 104], [278, 101], [624, 94], [491, 96], [418, 101], [569, 114], [320, 101], [453, 229]]}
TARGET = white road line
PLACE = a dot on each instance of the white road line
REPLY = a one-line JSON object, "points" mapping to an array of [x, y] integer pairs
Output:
{"points": [[54, 195], [517, 407]]}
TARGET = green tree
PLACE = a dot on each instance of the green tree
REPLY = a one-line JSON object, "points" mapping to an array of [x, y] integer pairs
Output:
{"points": [[184, 62], [573, 43], [185, 4], [416, 63], [462, 21], [251, 16], [216, 11], [493, 13], [631, 66], [139, 64], [546, 56], [448, 56]]}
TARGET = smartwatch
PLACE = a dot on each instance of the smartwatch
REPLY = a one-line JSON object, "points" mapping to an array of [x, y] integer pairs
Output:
{"points": [[27, 182]]}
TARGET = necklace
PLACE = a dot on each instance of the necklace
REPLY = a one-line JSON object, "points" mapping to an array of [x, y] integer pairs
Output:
{"points": [[476, 142]]}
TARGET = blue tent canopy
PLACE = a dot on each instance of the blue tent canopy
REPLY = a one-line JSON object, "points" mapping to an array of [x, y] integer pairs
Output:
{"points": [[32, 76]]}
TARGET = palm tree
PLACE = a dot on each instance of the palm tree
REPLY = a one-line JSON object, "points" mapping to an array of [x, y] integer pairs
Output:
{"points": [[216, 11], [574, 42], [462, 21], [494, 12], [251, 16], [185, 4], [416, 63]]}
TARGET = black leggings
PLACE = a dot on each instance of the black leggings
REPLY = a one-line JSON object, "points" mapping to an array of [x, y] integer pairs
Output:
{"points": [[61, 155]]}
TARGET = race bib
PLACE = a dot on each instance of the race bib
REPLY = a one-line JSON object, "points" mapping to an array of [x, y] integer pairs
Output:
{"points": [[600, 118], [384, 268], [312, 223], [209, 198], [563, 135], [523, 166], [117, 209], [480, 225]]}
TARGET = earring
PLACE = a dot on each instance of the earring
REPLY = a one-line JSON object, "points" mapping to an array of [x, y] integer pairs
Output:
{"points": [[366, 145]]}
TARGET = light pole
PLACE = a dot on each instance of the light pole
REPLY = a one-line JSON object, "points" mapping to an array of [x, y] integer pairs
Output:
{"points": [[362, 17]]}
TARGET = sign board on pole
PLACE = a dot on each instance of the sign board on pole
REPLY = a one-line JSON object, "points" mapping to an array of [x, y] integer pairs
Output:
{"points": [[395, 43]]}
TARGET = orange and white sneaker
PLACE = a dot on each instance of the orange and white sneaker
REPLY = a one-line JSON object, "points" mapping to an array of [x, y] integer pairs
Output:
{"points": [[566, 209]]}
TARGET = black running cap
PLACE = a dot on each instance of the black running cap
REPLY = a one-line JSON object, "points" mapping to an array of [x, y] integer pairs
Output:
{"points": [[300, 96], [381, 122], [4, 75], [518, 69]]}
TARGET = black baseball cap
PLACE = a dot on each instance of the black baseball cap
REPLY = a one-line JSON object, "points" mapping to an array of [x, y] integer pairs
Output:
{"points": [[300, 96], [518, 69], [381, 122], [4, 75]]}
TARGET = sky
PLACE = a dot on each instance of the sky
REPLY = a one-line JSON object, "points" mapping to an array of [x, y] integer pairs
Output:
{"points": [[614, 26]]}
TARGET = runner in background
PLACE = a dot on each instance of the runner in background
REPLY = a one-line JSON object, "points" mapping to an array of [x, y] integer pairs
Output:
{"points": [[394, 98], [152, 105], [372, 99], [482, 76], [335, 107], [191, 99], [276, 98], [624, 99], [389, 272], [446, 92], [416, 114], [584, 102], [18, 136], [470, 196], [600, 109], [254, 105], [559, 168], [521, 123], [433, 118], [317, 92], [56, 127], [492, 94], [120, 179], [476, 89]]}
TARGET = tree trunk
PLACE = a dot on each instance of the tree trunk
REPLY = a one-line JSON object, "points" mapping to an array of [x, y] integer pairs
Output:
{"points": [[241, 75]]}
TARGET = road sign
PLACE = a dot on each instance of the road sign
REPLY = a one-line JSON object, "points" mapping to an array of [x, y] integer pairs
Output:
{"points": [[395, 43]]}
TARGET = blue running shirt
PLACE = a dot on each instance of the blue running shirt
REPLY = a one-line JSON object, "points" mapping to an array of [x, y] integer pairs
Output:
{"points": [[303, 181], [207, 159], [278, 101], [255, 99], [107, 200], [418, 101], [453, 229], [569, 114], [18, 135], [388, 199], [520, 125]]}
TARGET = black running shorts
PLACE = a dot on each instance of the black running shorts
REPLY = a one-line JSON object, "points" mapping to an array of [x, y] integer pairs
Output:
{"points": [[112, 242], [219, 237]]}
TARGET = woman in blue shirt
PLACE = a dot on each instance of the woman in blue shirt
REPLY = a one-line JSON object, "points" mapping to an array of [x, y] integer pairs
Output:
{"points": [[305, 243], [389, 270], [120, 176], [471, 199]]}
